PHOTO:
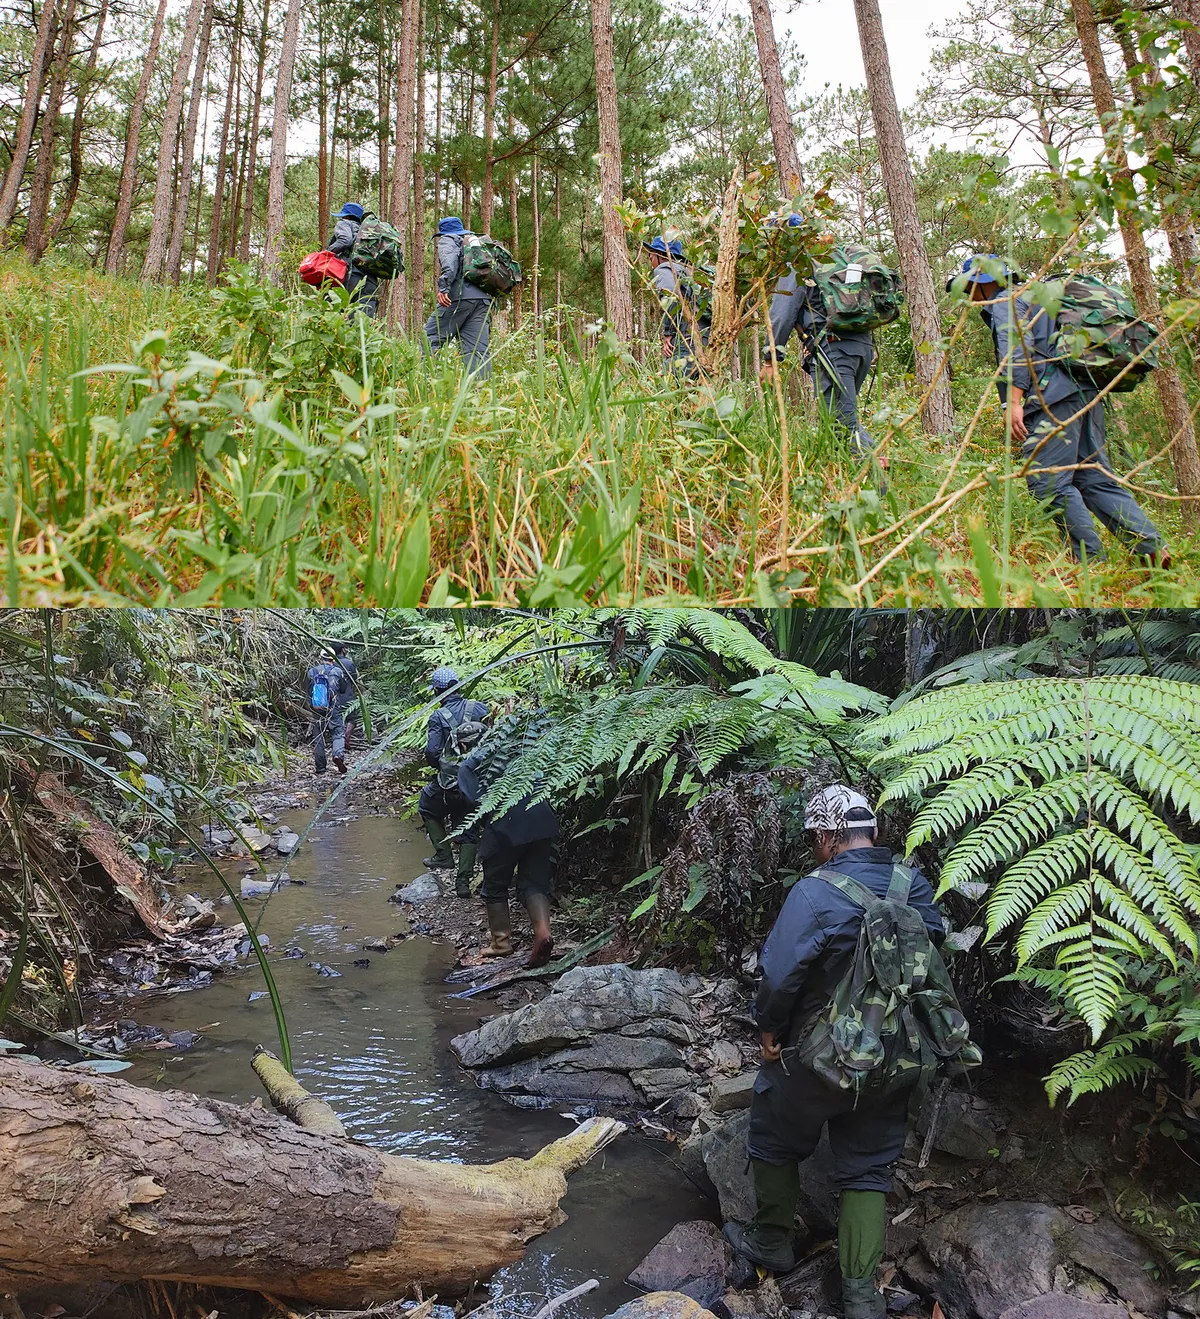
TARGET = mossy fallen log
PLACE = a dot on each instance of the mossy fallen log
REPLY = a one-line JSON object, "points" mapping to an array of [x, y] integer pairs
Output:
{"points": [[103, 1182]]}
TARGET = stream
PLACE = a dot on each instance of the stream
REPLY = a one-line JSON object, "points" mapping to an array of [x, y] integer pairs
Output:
{"points": [[374, 1043]]}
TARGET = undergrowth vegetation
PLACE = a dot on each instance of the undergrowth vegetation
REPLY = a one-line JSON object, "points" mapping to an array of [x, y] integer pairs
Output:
{"points": [[255, 446]]}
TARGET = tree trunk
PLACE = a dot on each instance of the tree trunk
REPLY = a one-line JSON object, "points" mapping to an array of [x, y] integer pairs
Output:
{"points": [[115, 257], [108, 1182], [43, 174], [783, 131], [333, 137], [489, 126], [183, 200], [618, 294], [383, 94], [156, 247], [535, 256], [279, 133], [1189, 11], [417, 245], [437, 117], [938, 413], [402, 173], [218, 201], [252, 139], [199, 193], [29, 109], [1171, 394], [68, 202], [558, 256], [514, 223]]}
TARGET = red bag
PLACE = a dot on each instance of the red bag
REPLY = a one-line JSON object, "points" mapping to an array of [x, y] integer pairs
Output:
{"points": [[317, 267]]}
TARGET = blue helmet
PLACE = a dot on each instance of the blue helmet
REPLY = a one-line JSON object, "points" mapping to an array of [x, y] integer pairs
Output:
{"points": [[351, 211], [451, 225], [441, 679]]}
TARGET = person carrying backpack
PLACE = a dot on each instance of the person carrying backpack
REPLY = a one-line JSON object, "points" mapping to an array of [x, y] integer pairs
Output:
{"points": [[839, 360], [349, 700], [673, 288], [454, 729], [463, 309], [837, 1042], [363, 288], [1057, 420], [324, 682]]}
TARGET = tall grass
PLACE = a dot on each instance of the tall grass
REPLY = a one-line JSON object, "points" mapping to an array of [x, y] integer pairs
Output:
{"points": [[257, 447]]}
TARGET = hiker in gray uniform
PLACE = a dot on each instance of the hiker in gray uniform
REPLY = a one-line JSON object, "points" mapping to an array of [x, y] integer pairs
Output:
{"points": [[363, 288], [463, 310], [674, 289], [1058, 422], [838, 363], [323, 684]]}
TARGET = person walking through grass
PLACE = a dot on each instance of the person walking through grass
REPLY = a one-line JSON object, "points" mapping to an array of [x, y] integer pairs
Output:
{"points": [[363, 288], [463, 310]]}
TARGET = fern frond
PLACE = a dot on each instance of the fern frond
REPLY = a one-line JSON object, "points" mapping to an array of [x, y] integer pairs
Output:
{"points": [[1093, 1070]]}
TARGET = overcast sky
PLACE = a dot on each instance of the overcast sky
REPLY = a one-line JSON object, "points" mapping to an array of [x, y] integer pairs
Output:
{"points": [[827, 35]]}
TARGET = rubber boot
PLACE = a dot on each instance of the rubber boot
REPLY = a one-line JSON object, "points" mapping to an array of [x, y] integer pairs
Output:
{"points": [[499, 920], [767, 1241], [443, 853], [538, 907], [861, 1225], [466, 868]]}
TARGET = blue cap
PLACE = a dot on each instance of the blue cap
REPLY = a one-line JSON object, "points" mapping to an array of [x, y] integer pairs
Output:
{"points": [[658, 245], [442, 678], [351, 211], [676, 248], [972, 267], [451, 225]]}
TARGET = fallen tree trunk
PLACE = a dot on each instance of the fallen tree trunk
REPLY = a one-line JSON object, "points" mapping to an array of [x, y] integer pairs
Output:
{"points": [[102, 1182]]}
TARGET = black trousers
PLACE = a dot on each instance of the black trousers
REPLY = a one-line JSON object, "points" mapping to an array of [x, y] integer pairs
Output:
{"points": [[788, 1112], [529, 863]]}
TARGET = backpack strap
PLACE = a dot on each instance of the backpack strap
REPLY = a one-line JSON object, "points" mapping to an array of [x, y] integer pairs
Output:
{"points": [[901, 885], [858, 893]]}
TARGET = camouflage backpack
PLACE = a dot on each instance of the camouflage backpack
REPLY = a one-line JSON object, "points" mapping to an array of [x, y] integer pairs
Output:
{"points": [[489, 265], [1098, 334], [465, 735], [894, 1018], [699, 292], [860, 291], [378, 249]]}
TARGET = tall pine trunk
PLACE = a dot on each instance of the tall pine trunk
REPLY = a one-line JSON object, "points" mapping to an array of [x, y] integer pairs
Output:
{"points": [[277, 175], [1171, 394], [29, 107], [43, 173], [218, 201], [184, 198], [199, 193], [558, 255], [1189, 11], [417, 244], [68, 202], [252, 138], [783, 132], [115, 257], [938, 413], [513, 218], [535, 256], [489, 127], [618, 293], [156, 247], [402, 175], [322, 131], [437, 118]]}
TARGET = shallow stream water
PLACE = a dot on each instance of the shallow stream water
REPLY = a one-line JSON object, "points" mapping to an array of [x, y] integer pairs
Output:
{"points": [[374, 1043]]}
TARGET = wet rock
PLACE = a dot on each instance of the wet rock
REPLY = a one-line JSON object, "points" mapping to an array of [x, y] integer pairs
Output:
{"points": [[689, 1104], [692, 1258], [726, 1055], [322, 970], [183, 1039], [376, 945], [730, 1093], [1055, 1305], [968, 1127], [725, 993], [662, 1305], [982, 1259], [293, 953], [256, 995], [254, 887], [529, 1080], [286, 842], [362, 963], [425, 888], [255, 839]]}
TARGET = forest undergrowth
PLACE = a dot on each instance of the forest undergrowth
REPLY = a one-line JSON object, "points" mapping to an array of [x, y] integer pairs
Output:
{"points": [[253, 446]]}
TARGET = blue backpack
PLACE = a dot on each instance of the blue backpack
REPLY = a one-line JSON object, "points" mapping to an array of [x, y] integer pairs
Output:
{"points": [[320, 693]]}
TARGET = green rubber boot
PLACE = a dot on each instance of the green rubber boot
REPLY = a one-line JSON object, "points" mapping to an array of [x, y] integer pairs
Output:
{"points": [[499, 919], [861, 1225], [443, 854], [538, 907], [466, 869], [767, 1241]]}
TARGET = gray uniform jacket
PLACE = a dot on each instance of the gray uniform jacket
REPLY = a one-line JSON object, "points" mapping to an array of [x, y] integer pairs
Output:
{"points": [[1031, 352], [796, 306], [669, 277], [450, 265], [359, 284]]}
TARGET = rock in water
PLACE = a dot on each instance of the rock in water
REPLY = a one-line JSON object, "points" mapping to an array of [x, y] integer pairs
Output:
{"points": [[662, 1305], [253, 887], [1057, 1306], [286, 842], [692, 1258], [425, 888]]}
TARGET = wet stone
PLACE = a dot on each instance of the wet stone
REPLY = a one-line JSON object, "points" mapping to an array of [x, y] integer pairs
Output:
{"points": [[425, 888], [730, 1093], [692, 1258]]}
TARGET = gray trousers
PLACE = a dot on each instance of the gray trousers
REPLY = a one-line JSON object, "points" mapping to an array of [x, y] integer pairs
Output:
{"points": [[328, 721], [1074, 496], [364, 294], [466, 321], [852, 362]]}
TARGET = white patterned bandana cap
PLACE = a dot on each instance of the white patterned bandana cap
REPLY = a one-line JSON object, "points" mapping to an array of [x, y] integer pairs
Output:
{"points": [[828, 809]]}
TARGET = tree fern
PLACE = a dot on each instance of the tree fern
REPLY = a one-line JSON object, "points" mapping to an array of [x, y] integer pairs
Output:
{"points": [[1058, 793]]}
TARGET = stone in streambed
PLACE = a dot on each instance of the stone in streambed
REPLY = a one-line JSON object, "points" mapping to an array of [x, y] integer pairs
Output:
{"points": [[662, 1305], [425, 888], [286, 841], [693, 1258]]}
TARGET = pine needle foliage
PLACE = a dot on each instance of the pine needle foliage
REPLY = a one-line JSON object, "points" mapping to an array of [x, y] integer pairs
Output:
{"points": [[1058, 794]]}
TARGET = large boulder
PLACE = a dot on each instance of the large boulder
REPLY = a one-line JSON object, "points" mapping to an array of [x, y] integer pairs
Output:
{"points": [[1057, 1305], [968, 1127], [662, 1305], [983, 1259], [605, 1032], [693, 1258]]}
